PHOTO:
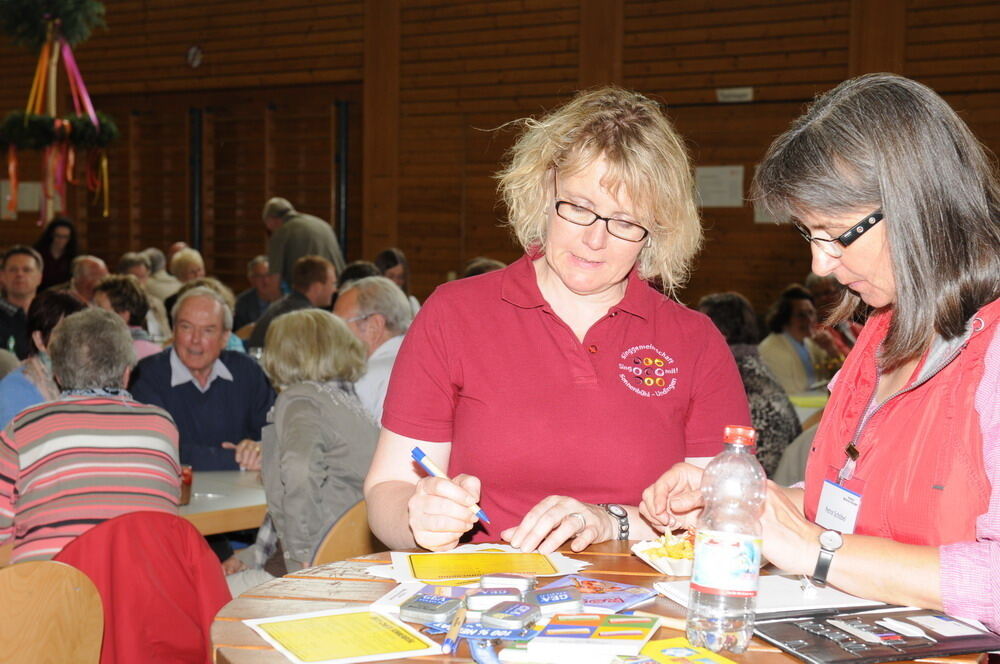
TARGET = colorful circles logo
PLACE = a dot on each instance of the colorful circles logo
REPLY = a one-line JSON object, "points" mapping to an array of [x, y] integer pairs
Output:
{"points": [[647, 371]]}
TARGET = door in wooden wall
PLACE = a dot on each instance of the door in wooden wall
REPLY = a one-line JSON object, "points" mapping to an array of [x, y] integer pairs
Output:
{"points": [[248, 145]]}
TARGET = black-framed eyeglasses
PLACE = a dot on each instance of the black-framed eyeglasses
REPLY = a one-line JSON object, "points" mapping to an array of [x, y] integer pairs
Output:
{"points": [[581, 216], [834, 247]]}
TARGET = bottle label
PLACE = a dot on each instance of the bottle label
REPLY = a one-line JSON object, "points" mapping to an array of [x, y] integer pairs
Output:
{"points": [[726, 563]]}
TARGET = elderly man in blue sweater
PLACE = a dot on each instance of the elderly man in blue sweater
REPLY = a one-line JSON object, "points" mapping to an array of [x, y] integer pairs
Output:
{"points": [[219, 399]]}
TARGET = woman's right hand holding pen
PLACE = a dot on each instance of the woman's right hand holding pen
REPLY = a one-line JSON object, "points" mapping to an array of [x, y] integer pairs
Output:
{"points": [[442, 510]]}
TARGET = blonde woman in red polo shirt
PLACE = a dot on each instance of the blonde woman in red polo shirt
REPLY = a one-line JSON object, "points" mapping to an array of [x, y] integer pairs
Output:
{"points": [[901, 502], [553, 390]]}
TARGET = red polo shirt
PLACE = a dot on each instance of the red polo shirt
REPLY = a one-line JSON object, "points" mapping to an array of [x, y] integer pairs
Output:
{"points": [[532, 412]]}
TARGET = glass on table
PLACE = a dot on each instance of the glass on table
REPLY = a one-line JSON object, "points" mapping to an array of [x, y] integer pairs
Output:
{"points": [[187, 479]]}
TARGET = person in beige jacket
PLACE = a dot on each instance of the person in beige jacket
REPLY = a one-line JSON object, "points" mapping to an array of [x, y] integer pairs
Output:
{"points": [[798, 356]]}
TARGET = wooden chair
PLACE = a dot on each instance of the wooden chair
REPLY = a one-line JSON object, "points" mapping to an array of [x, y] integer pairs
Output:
{"points": [[245, 331], [50, 613], [813, 419], [348, 537]]}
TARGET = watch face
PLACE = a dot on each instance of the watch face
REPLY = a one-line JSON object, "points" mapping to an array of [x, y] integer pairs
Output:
{"points": [[617, 510], [831, 540]]}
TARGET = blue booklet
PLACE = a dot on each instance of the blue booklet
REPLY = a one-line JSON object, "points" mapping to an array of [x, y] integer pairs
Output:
{"points": [[601, 596]]}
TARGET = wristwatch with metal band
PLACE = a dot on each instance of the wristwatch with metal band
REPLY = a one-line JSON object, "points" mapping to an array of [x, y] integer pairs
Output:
{"points": [[829, 542], [619, 513]]}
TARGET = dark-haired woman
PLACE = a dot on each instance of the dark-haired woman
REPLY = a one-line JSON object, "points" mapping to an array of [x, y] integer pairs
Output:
{"points": [[798, 355], [57, 245], [901, 503], [393, 265], [31, 382]]}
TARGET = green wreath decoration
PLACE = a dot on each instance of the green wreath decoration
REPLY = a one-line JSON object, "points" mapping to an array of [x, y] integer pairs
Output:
{"points": [[27, 131], [85, 135], [26, 21], [40, 131]]}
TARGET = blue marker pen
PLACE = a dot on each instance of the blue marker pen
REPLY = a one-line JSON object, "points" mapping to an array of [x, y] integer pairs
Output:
{"points": [[432, 469]]}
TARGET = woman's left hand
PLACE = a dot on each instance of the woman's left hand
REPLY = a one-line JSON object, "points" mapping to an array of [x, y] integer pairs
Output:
{"points": [[557, 519], [790, 540]]}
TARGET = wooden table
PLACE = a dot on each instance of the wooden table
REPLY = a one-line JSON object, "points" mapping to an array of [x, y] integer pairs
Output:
{"points": [[346, 584], [225, 500]]}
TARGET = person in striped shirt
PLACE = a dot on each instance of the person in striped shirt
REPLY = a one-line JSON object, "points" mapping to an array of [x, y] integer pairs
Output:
{"points": [[92, 454]]}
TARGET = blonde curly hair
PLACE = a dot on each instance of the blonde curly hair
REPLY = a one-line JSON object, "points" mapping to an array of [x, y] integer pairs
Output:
{"points": [[644, 154]]}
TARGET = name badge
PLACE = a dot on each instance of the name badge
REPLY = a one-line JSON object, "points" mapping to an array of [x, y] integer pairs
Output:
{"points": [[838, 508]]}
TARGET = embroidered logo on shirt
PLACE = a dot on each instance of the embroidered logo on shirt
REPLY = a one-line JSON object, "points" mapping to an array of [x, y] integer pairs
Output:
{"points": [[647, 371]]}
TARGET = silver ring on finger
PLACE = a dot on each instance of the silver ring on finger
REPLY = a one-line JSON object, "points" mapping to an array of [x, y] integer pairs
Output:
{"points": [[583, 522]]}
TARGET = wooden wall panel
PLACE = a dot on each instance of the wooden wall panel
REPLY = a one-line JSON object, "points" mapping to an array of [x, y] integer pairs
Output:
{"points": [[256, 144], [954, 47], [466, 68], [244, 43], [787, 52], [787, 49], [139, 64], [756, 259]]}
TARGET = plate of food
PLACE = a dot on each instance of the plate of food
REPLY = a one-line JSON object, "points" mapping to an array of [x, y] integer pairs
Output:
{"points": [[670, 554]]}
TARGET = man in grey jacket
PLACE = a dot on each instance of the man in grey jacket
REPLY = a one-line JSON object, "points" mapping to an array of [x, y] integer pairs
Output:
{"points": [[294, 235]]}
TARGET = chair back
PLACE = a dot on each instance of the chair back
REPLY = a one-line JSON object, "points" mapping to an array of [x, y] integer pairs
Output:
{"points": [[50, 614], [348, 537], [813, 419], [160, 583]]}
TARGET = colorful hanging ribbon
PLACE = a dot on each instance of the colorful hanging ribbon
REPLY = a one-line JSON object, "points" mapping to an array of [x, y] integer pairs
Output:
{"points": [[12, 175], [73, 73]]}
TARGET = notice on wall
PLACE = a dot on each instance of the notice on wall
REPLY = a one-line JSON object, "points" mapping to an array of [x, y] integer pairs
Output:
{"points": [[719, 186], [29, 198]]}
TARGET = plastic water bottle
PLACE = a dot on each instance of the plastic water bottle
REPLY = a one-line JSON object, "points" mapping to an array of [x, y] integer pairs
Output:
{"points": [[727, 549]]}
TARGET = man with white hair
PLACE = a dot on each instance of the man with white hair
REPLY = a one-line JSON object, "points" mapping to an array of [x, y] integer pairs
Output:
{"points": [[294, 235], [378, 313], [87, 273], [218, 398]]}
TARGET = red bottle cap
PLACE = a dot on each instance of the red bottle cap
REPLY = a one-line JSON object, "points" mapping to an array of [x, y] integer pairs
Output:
{"points": [[739, 435]]}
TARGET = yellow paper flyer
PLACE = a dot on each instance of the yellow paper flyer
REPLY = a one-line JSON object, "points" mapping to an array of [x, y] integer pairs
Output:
{"points": [[433, 566], [342, 636], [471, 561], [680, 651]]}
